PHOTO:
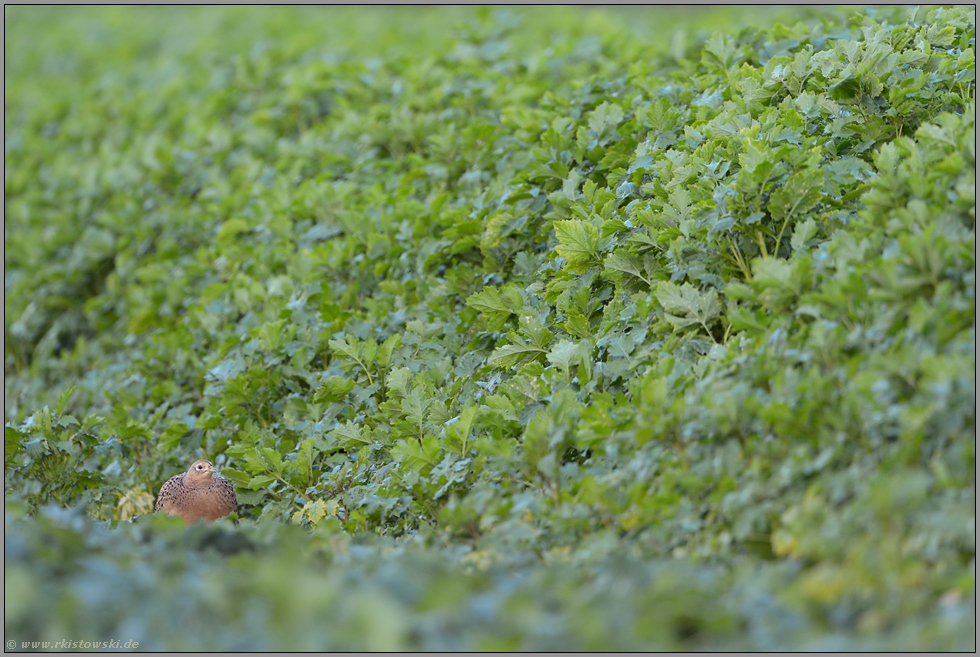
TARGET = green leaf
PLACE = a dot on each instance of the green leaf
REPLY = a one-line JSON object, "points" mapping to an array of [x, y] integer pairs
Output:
{"points": [[509, 355], [497, 305], [419, 455], [460, 428], [260, 481], [271, 459], [304, 462], [349, 346], [236, 476], [171, 436], [628, 263], [566, 354], [800, 193], [333, 388], [604, 119], [686, 306], [59, 407], [578, 242], [416, 407], [803, 233], [313, 512], [351, 435], [399, 380]]}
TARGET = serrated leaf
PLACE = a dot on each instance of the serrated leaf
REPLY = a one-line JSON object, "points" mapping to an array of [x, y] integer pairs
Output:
{"points": [[605, 118], [802, 233], [170, 437], [497, 305], [350, 434], [510, 354], [399, 379], [800, 193], [314, 511], [578, 242], [459, 429], [271, 459], [333, 389], [567, 354], [416, 406], [417, 454], [63, 398], [235, 476], [488, 300], [349, 347], [686, 305], [304, 461], [626, 263], [260, 481]]}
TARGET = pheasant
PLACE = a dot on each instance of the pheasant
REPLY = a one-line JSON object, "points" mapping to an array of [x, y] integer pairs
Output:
{"points": [[198, 494]]}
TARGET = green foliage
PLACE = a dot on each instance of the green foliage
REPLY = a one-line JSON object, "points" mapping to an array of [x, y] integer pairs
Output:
{"points": [[536, 330]]}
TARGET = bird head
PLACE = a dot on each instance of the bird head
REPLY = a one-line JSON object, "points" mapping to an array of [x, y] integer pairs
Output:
{"points": [[200, 472]]}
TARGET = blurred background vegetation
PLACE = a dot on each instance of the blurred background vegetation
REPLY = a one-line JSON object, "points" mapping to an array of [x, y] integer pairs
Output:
{"points": [[574, 328]]}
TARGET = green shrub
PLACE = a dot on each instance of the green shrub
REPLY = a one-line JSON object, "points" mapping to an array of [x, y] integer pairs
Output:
{"points": [[550, 330]]}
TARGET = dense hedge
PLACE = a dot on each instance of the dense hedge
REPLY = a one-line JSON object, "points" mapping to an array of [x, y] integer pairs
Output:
{"points": [[541, 329]]}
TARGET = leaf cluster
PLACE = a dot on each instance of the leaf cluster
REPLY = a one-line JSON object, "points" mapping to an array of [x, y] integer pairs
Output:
{"points": [[515, 340]]}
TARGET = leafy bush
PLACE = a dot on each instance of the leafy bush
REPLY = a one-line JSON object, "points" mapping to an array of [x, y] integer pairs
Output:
{"points": [[557, 332]]}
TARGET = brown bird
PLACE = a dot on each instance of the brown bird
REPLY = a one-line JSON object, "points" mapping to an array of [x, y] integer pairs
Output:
{"points": [[198, 494]]}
